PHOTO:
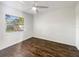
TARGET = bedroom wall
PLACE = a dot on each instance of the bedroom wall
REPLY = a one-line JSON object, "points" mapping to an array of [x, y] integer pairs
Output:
{"points": [[10, 38], [77, 25], [56, 25], [1, 26]]}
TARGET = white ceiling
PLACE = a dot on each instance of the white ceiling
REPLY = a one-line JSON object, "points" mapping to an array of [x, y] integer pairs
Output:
{"points": [[27, 5]]}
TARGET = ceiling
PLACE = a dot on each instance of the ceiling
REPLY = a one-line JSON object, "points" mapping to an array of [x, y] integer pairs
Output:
{"points": [[27, 5]]}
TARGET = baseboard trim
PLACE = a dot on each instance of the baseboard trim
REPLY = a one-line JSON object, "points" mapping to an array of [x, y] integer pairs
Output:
{"points": [[77, 47], [14, 43], [56, 42], [36, 38]]}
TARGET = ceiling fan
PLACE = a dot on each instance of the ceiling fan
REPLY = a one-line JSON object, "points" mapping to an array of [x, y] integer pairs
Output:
{"points": [[36, 7]]}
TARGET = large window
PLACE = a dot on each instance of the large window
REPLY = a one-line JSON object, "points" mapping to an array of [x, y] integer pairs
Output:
{"points": [[14, 23]]}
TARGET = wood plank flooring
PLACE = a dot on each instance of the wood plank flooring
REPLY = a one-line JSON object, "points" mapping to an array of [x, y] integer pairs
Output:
{"points": [[35, 47]]}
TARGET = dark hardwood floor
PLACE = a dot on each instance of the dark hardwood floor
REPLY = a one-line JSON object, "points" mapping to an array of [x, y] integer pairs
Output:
{"points": [[35, 47]]}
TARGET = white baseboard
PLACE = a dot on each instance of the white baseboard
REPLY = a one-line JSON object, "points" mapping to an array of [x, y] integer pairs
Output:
{"points": [[77, 47], [6, 46], [28, 38], [53, 40]]}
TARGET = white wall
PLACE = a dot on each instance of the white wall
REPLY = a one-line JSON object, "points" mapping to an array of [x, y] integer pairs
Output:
{"points": [[1, 26], [77, 25], [56, 25], [8, 39]]}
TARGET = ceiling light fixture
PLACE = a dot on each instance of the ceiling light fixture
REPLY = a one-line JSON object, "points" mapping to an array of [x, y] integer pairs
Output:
{"points": [[34, 8]]}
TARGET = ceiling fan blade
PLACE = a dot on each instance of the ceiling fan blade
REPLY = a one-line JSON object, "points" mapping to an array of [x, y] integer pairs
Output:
{"points": [[42, 6]]}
